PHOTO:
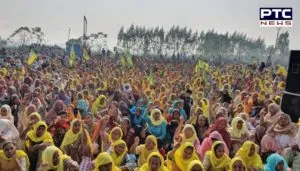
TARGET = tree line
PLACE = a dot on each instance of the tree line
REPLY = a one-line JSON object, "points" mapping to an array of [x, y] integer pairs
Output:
{"points": [[177, 40]]}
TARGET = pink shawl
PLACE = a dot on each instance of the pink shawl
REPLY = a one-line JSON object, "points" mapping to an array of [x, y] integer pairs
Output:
{"points": [[207, 143]]}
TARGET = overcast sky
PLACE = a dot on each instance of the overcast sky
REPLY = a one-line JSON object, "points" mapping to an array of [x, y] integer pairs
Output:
{"points": [[55, 17]]}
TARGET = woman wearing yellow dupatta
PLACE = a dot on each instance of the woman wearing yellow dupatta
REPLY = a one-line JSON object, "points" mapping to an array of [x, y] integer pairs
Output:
{"points": [[189, 134], [184, 155], [36, 141], [104, 161], [33, 118], [12, 159], [248, 152], [216, 159], [108, 139], [120, 156], [239, 133], [155, 163], [54, 159], [119, 151], [98, 104], [115, 134], [195, 165], [144, 150], [77, 142], [237, 164]]}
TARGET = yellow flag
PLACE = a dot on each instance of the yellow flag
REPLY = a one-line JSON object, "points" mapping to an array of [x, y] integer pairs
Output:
{"points": [[32, 57], [122, 60], [282, 71], [203, 65], [196, 70], [129, 58], [72, 56], [86, 56]]}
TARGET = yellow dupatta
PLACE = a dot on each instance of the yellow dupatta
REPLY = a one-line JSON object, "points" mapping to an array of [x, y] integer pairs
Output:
{"points": [[47, 157], [261, 96], [205, 107], [194, 163], [178, 156], [144, 152], [157, 122], [110, 135], [103, 159], [146, 166], [234, 131], [103, 86], [19, 154], [70, 137], [234, 160], [191, 139], [36, 115], [97, 105], [253, 161], [119, 158], [31, 135], [216, 162]]}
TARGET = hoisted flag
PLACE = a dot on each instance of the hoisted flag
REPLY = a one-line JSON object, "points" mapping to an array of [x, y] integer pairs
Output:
{"points": [[32, 57], [151, 77], [122, 60], [281, 70], [203, 65], [72, 56], [86, 56], [129, 58]]}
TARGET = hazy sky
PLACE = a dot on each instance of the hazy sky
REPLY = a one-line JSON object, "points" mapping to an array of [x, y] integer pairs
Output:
{"points": [[56, 16]]}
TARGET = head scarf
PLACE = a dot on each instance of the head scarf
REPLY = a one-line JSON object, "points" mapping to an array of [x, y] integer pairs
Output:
{"points": [[47, 157], [110, 134], [9, 115], [179, 160], [194, 163], [253, 161], [208, 142], [225, 134], [24, 116], [144, 154], [119, 158], [105, 158], [137, 119], [234, 160], [4, 71], [290, 129], [214, 160], [97, 105], [56, 106], [35, 114], [53, 113], [262, 97], [234, 131], [70, 137], [216, 125], [273, 160], [45, 138], [146, 166], [271, 119], [82, 105], [19, 154], [8, 130], [157, 122], [191, 139]]}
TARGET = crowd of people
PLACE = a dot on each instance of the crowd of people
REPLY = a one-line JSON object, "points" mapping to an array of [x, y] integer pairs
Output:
{"points": [[152, 116]]}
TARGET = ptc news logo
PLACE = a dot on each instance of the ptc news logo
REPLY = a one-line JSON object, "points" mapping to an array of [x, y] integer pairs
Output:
{"points": [[276, 17]]}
